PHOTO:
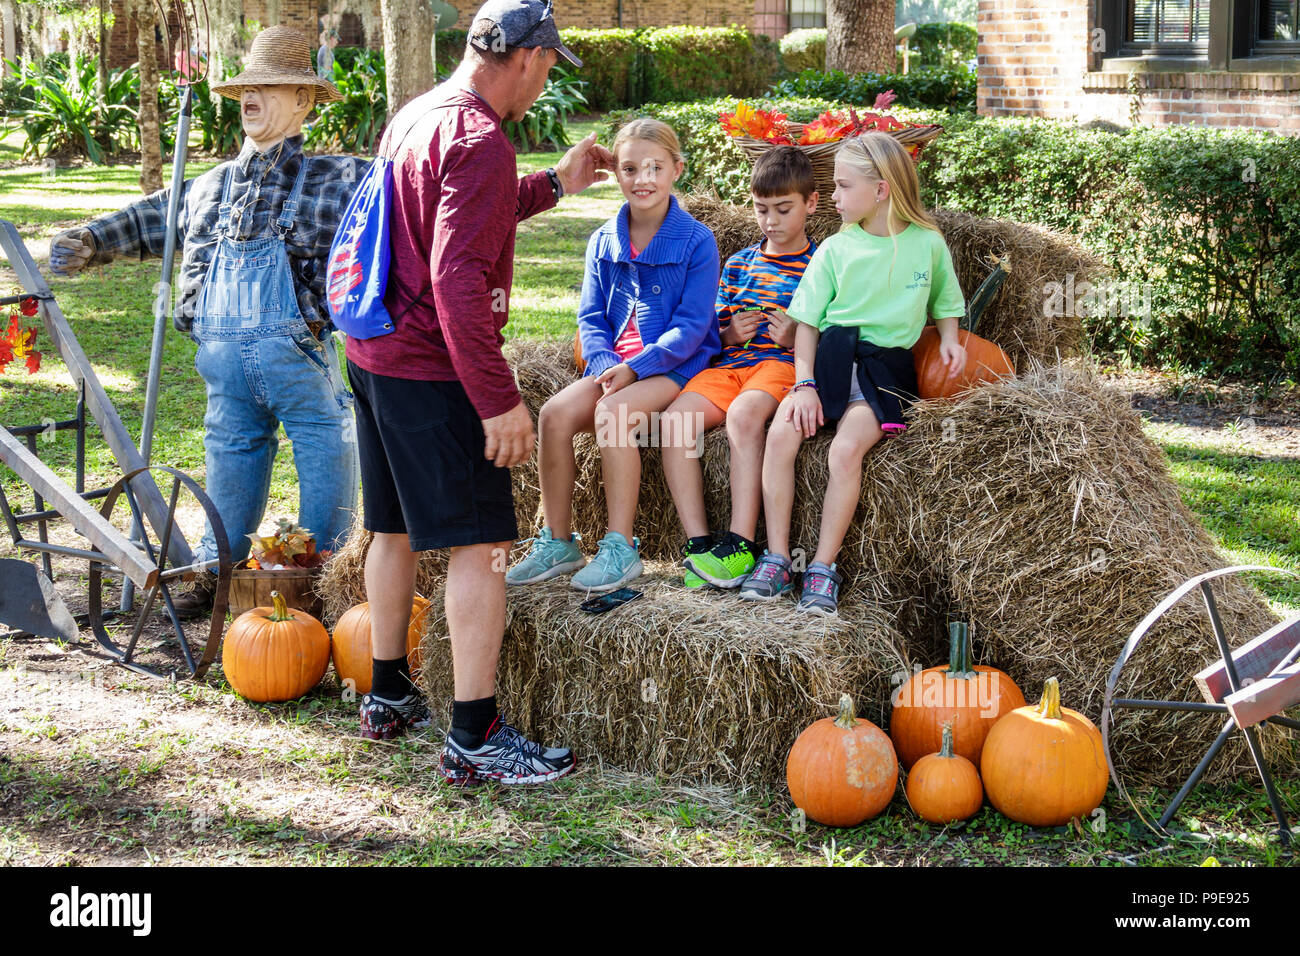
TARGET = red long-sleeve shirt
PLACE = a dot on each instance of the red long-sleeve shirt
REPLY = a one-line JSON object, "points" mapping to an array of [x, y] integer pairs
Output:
{"points": [[456, 202]]}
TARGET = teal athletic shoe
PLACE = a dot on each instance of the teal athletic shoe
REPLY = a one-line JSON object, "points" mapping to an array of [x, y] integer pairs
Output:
{"points": [[690, 578], [546, 559], [726, 565], [615, 564]]}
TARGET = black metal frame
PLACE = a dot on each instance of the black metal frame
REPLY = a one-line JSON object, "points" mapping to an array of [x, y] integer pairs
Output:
{"points": [[146, 503], [1225, 655], [158, 555]]}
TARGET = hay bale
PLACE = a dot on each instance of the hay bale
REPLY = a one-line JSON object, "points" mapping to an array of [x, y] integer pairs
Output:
{"points": [[734, 682], [1054, 525], [1015, 318], [1036, 508]]}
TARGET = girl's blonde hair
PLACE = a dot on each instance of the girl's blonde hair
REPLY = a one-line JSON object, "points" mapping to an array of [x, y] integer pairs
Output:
{"points": [[652, 130], [879, 156]]}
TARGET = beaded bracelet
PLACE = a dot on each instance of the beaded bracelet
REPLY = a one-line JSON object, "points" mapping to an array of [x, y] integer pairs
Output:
{"points": [[806, 383]]}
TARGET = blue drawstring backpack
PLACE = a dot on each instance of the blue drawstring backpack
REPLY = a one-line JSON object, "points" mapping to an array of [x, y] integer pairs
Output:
{"points": [[357, 275]]}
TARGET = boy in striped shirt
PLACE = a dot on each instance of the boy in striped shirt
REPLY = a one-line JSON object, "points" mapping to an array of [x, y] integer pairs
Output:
{"points": [[750, 377]]}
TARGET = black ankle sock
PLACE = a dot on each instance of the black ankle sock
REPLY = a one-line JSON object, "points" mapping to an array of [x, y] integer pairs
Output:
{"points": [[470, 720], [391, 680], [701, 542], [747, 542]]}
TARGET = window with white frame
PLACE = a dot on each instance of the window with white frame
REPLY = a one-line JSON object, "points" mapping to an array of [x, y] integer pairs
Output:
{"points": [[806, 13]]}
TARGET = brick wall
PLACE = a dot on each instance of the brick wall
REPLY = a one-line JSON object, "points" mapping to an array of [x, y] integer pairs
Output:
{"points": [[1035, 59], [602, 14]]}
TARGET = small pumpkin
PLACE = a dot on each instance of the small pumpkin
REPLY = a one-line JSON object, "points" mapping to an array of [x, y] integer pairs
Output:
{"points": [[985, 362], [842, 771], [274, 653], [1044, 764], [350, 644], [578, 360], [945, 787], [974, 698]]}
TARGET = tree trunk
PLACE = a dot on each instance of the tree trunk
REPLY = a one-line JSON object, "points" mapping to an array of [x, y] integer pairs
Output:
{"points": [[101, 76], [408, 32], [860, 36], [150, 138], [9, 45]]}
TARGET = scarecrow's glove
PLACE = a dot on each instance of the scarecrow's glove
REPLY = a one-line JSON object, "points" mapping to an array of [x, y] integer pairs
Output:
{"points": [[72, 251]]}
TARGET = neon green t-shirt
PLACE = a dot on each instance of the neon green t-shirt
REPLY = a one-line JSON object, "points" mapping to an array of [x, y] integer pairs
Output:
{"points": [[855, 278]]}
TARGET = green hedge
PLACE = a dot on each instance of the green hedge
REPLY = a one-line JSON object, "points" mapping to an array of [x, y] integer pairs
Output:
{"points": [[942, 45], [712, 160], [953, 90], [1201, 228], [611, 66], [687, 63], [628, 67], [804, 50]]}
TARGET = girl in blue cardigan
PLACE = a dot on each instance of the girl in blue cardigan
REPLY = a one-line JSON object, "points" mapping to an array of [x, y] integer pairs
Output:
{"points": [[646, 323]]}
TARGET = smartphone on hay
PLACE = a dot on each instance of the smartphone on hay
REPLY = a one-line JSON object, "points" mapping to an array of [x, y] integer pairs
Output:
{"points": [[607, 602]]}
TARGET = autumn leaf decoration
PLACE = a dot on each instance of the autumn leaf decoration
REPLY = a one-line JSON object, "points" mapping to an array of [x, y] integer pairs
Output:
{"points": [[756, 123], [290, 547], [827, 128], [18, 342], [830, 127]]}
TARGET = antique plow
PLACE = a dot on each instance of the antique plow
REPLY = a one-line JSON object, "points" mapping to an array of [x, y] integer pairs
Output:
{"points": [[154, 563], [1253, 684]]}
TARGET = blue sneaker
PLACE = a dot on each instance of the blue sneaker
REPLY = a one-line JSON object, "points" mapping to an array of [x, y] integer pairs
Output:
{"points": [[821, 589], [615, 564], [770, 578], [547, 558]]}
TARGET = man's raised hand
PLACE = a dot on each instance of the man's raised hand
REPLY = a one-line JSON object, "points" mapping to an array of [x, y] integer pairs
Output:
{"points": [[585, 163]]}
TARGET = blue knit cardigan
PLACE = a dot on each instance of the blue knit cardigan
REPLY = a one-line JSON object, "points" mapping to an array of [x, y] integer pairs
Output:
{"points": [[672, 286]]}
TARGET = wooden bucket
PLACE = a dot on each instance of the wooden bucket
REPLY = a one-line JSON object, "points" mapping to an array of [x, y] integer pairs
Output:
{"points": [[252, 587]]}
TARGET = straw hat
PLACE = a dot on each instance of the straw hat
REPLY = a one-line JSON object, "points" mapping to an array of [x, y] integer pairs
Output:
{"points": [[278, 56]]}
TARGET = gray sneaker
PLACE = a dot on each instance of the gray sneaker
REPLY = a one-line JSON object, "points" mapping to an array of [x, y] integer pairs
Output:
{"points": [[548, 558], [770, 578], [821, 589]]}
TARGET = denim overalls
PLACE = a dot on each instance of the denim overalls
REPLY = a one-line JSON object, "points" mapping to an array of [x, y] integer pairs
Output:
{"points": [[262, 366]]}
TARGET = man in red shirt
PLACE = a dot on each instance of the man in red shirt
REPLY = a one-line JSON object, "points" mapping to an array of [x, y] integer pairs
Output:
{"points": [[440, 420]]}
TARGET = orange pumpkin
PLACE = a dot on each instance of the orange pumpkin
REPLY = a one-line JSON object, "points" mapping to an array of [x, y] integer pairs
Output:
{"points": [[274, 653], [945, 787], [842, 771], [985, 362], [577, 352], [973, 698], [1044, 764], [350, 644]]}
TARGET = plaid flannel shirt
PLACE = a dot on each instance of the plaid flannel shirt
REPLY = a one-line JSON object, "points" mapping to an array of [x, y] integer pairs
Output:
{"points": [[261, 184]]}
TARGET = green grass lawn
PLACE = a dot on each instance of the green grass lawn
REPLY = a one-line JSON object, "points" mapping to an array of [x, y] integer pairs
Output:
{"points": [[1250, 504]]}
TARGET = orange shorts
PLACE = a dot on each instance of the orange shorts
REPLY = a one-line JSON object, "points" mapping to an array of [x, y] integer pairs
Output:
{"points": [[722, 386]]}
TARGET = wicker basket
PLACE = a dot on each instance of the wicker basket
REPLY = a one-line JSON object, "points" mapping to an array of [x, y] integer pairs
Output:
{"points": [[822, 155], [252, 587]]}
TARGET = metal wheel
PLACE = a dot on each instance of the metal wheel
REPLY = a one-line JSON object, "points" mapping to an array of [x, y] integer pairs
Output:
{"points": [[160, 584], [1215, 706]]}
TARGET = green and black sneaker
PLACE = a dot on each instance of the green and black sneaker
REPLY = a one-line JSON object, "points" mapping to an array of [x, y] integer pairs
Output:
{"points": [[726, 564], [691, 579]]}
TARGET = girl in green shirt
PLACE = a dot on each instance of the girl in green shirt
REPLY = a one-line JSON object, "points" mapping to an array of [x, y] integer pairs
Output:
{"points": [[868, 291]]}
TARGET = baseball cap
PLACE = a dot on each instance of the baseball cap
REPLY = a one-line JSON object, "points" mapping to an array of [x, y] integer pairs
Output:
{"points": [[522, 23]]}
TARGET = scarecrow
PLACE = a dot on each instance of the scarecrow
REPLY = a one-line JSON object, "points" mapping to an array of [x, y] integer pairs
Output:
{"points": [[255, 234]]}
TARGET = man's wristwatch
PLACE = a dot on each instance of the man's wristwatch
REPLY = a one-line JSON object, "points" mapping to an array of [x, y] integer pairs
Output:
{"points": [[556, 185]]}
